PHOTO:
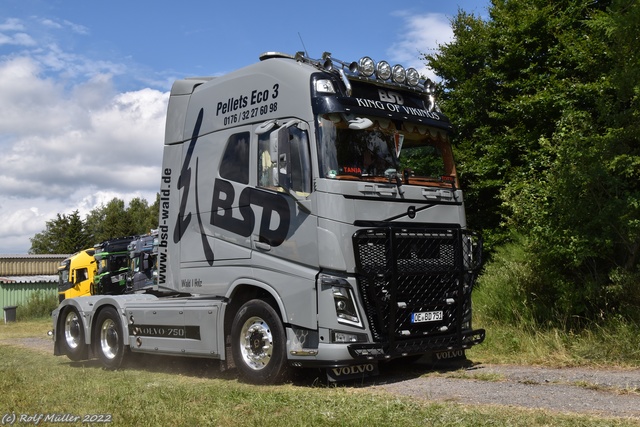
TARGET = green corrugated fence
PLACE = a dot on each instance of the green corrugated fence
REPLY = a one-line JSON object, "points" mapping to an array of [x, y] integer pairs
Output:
{"points": [[16, 294]]}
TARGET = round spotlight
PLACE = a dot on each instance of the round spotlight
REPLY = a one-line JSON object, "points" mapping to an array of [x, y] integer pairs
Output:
{"points": [[413, 77], [366, 66], [383, 70], [399, 74], [429, 86]]}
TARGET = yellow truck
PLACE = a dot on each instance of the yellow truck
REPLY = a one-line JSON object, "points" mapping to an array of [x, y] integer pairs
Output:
{"points": [[76, 275]]}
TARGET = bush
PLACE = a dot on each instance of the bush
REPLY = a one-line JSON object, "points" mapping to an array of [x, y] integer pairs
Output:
{"points": [[502, 291], [519, 286], [39, 305]]}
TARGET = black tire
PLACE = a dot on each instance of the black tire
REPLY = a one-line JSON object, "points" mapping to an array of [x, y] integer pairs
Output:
{"points": [[108, 338], [259, 344], [73, 337]]}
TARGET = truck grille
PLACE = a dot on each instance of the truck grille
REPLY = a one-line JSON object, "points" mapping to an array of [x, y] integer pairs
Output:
{"points": [[401, 271]]}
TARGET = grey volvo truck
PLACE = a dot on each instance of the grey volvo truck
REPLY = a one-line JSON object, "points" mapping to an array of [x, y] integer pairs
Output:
{"points": [[310, 216]]}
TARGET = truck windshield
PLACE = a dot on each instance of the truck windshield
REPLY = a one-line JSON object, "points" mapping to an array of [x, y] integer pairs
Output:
{"points": [[112, 263], [379, 149], [63, 276]]}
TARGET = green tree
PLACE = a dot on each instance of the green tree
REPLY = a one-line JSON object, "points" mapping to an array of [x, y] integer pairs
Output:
{"points": [[144, 217], [115, 219], [545, 99], [68, 234], [65, 234]]}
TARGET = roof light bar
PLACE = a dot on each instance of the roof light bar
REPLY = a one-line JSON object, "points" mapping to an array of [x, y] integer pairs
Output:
{"points": [[370, 69]]}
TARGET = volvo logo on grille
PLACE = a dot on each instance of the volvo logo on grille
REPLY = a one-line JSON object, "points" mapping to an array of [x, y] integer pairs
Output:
{"points": [[411, 212]]}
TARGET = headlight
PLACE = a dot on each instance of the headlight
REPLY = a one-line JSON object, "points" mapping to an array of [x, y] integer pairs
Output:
{"points": [[343, 299], [345, 307]]}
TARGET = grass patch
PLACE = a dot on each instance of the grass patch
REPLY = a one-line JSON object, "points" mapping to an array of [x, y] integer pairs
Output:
{"points": [[163, 391], [463, 374], [612, 346], [33, 382], [34, 328], [504, 303]]}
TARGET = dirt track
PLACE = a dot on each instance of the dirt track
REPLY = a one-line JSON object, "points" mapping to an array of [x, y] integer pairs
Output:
{"points": [[605, 392]]}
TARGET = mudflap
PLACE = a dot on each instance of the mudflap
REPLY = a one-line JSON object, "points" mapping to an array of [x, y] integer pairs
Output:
{"points": [[352, 372], [448, 358]]}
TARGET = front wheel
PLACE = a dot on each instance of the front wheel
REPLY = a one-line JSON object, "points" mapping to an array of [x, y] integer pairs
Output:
{"points": [[73, 341], [108, 338], [259, 344]]}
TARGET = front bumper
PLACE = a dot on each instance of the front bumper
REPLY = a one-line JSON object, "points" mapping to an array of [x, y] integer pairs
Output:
{"points": [[400, 348]]}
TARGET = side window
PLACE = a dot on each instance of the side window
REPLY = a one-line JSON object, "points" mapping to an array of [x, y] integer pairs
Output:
{"points": [[83, 274], [300, 161], [267, 165], [284, 160], [235, 161]]}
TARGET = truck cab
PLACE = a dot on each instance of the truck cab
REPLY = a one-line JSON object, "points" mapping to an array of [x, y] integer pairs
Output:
{"points": [[143, 265], [331, 189], [112, 258], [76, 275]]}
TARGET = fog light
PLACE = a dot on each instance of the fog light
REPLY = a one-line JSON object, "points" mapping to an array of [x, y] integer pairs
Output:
{"points": [[341, 337]]}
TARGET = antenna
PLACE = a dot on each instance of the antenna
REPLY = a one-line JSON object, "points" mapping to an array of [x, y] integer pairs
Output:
{"points": [[303, 46]]}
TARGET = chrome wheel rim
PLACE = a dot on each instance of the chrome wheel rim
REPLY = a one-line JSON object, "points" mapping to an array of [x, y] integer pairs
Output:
{"points": [[256, 343], [72, 330], [109, 339]]}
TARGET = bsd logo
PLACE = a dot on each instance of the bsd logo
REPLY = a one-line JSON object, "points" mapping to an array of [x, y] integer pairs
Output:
{"points": [[390, 96]]}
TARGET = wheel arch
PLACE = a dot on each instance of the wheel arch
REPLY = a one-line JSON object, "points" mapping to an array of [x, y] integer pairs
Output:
{"points": [[246, 290]]}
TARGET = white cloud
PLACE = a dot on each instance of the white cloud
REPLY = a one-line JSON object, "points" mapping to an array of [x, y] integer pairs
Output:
{"points": [[12, 33], [76, 28], [61, 25], [422, 34], [68, 147], [12, 24]]}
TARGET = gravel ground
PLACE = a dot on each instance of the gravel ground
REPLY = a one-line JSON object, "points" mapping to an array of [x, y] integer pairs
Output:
{"points": [[603, 392]]}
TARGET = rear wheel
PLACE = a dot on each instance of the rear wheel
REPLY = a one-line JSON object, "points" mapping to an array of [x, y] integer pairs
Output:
{"points": [[73, 341], [259, 344], [108, 338]]}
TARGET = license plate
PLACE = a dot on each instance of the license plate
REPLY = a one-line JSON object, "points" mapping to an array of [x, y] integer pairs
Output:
{"points": [[426, 316]]}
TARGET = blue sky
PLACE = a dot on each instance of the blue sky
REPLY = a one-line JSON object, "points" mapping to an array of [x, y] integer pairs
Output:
{"points": [[84, 84]]}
